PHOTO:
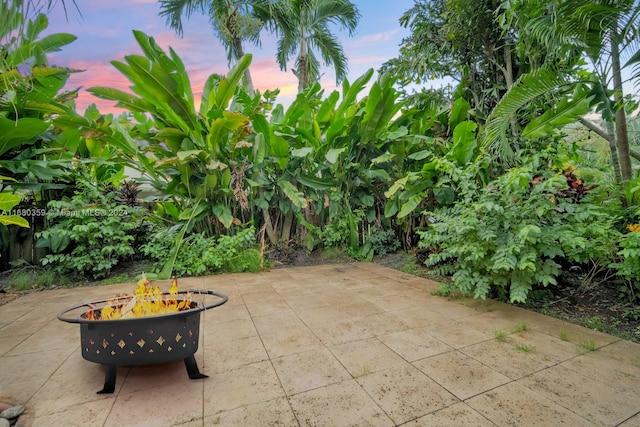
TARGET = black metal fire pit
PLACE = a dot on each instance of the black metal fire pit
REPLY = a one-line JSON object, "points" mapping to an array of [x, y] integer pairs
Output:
{"points": [[139, 341]]}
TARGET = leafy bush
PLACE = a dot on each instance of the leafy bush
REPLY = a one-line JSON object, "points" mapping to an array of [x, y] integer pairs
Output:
{"points": [[199, 254], [89, 238], [383, 242], [515, 235], [628, 267]]}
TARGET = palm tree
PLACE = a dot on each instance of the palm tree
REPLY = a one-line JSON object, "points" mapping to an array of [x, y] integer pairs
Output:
{"points": [[303, 27], [232, 20], [605, 31]]}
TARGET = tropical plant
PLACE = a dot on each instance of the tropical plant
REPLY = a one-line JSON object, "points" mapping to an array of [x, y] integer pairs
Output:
{"points": [[605, 32], [196, 159], [303, 30], [201, 255], [90, 233], [517, 233], [35, 158]]}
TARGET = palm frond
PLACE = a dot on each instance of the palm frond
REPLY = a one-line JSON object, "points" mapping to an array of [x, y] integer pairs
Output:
{"points": [[525, 90]]}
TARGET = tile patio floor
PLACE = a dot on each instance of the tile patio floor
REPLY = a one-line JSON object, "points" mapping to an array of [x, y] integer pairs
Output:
{"points": [[334, 345]]}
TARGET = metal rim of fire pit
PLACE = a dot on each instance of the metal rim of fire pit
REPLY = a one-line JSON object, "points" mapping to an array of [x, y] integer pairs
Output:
{"points": [[187, 318], [94, 305]]}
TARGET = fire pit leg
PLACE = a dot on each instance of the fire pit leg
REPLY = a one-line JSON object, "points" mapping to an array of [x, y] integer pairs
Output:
{"points": [[109, 380], [192, 368]]}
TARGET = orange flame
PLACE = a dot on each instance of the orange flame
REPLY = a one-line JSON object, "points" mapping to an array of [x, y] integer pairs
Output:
{"points": [[147, 300]]}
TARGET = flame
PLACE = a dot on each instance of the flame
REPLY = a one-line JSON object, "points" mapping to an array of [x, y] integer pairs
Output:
{"points": [[147, 300]]}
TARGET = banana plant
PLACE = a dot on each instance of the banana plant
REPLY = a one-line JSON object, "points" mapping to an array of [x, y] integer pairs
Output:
{"points": [[189, 155]]}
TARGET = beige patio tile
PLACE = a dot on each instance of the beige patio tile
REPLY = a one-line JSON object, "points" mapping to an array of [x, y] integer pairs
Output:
{"points": [[631, 422], [27, 322], [244, 386], [317, 327], [160, 406], [143, 378], [303, 302], [343, 404], [54, 335], [305, 371], [357, 308], [549, 347], [341, 332], [414, 344], [9, 342], [457, 415], [74, 383], [489, 322], [321, 316], [416, 317], [393, 302], [226, 313], [405, 393], [89, 414], [229, 354], [453, 309], [233, 329], [286, 342], [21, 376], [573, 333], [260, 304], [601, 402], [506, 359], [366, 356], [382, 324], [460, 374], [514, 405], [276, 412], [456, 335]]}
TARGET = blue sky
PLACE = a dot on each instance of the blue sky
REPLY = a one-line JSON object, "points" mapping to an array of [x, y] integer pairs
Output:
{"points": [[105, 33]]}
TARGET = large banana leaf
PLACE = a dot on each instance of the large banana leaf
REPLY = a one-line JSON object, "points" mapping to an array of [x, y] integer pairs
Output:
{"points": [[381, 105], [13, 134], [124, 99]]}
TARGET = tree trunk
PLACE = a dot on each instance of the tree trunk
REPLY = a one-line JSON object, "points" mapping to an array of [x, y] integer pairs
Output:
{"points": [[622, 135], [302, 65], [248, 81], [609, 136]]}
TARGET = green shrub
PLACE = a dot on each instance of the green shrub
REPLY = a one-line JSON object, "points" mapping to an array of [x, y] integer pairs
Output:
{"points": [[199, 255], [628, 266], [383, 242], [515, 235], [89, 238]]}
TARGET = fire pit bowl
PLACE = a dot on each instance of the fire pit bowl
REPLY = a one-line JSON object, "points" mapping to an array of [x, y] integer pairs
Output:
{"points": [[135, 341]]}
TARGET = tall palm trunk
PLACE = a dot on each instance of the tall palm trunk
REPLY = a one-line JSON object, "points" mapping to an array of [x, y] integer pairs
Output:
{"points": [[302, 65], [248, 81], [622, 135]]}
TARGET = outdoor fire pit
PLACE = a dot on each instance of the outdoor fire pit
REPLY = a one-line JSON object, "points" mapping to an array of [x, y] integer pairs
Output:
{"points": [[145, 340]]}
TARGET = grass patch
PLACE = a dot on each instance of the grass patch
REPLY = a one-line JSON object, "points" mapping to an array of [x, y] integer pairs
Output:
{"points": [[524, 348], [30, 277], [364, 371], [564, 336], [500, 335], [520, 327], [589, 345]]}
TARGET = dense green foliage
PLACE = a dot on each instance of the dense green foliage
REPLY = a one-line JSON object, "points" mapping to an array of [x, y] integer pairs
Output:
{"points": [[517, 232], [200, 255], [90, 233], [483, 177]]}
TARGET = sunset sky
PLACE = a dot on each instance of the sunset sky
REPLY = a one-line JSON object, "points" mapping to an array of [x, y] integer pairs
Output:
{"points": [[105, 33]]}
